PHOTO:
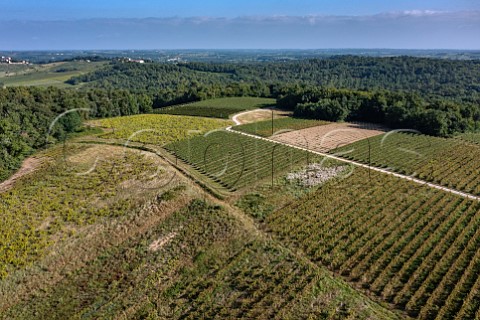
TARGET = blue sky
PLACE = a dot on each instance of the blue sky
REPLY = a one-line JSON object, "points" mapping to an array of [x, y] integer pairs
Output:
{"points": [[246, 24], [71, 9]]}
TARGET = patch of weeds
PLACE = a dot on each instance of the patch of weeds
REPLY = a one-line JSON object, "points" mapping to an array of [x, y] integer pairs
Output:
{"points": [[256, 205], [171, 194]]}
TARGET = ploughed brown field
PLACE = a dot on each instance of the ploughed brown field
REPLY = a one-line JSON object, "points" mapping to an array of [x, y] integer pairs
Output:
{"points": [[331, 136]]}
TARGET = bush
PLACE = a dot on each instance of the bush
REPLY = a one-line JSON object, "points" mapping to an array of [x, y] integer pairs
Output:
{"points": [[325, 109]]}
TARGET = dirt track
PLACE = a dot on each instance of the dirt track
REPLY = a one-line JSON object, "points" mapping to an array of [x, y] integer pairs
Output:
{"points": [[29, 166], [259, 115]]}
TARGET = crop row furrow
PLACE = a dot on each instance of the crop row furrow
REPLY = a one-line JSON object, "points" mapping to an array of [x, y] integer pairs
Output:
{"points": [[447, 271], [412, 246], [387, 242], [416, 264]]}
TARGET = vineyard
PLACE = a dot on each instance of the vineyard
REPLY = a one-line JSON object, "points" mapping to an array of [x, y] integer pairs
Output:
{"points": [[157, 129], [411, 246], [61, 197], [240, 206], [264, 282], [447, 162], [414, 247], [237, 161], [264, 128], [218, 108], [207, 266]]}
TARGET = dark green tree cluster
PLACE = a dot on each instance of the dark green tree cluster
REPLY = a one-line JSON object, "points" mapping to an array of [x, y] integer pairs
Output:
{"points": [[325, 109], [169, 84], [394, 109]]}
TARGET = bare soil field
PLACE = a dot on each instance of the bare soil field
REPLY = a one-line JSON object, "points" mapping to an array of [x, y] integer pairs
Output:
{"points": [[261, 114], [331, 136]]}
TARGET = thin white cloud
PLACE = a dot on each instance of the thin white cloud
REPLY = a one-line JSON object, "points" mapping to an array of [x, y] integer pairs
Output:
{"points": [[406, 29], [316, 19], [310, 19], [421, 13]]}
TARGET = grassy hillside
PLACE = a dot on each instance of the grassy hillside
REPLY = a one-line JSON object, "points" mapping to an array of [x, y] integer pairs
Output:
{"points": [[71, 188], [53, 74], [157, 129]]}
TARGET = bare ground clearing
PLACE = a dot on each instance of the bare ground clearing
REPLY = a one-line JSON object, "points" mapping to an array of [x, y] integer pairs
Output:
{"points": [[328, 137]]}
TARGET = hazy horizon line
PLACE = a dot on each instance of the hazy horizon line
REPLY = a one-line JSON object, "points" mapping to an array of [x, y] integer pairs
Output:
{"points": [[408, 30], [240, 49], [260, 17]]}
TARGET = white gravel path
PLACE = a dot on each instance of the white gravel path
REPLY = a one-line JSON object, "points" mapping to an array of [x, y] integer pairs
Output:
{"points": [[238, 122]]}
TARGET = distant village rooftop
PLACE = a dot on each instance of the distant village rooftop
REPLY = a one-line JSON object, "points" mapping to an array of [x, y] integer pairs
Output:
{"points": [[9, 60], [135, 60]]}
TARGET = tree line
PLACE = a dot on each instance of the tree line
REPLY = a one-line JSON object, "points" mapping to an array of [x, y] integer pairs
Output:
{"points": [[454, 80], [436, 117]]}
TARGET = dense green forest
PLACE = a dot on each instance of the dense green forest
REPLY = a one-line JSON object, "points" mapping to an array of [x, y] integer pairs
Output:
{"points": [[170, 84], [436, 117], [435, 96], [432, 78]]}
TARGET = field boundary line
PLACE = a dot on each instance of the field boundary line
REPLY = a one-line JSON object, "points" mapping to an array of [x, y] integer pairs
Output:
{"points": [[362, 165], [211, 190]]}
